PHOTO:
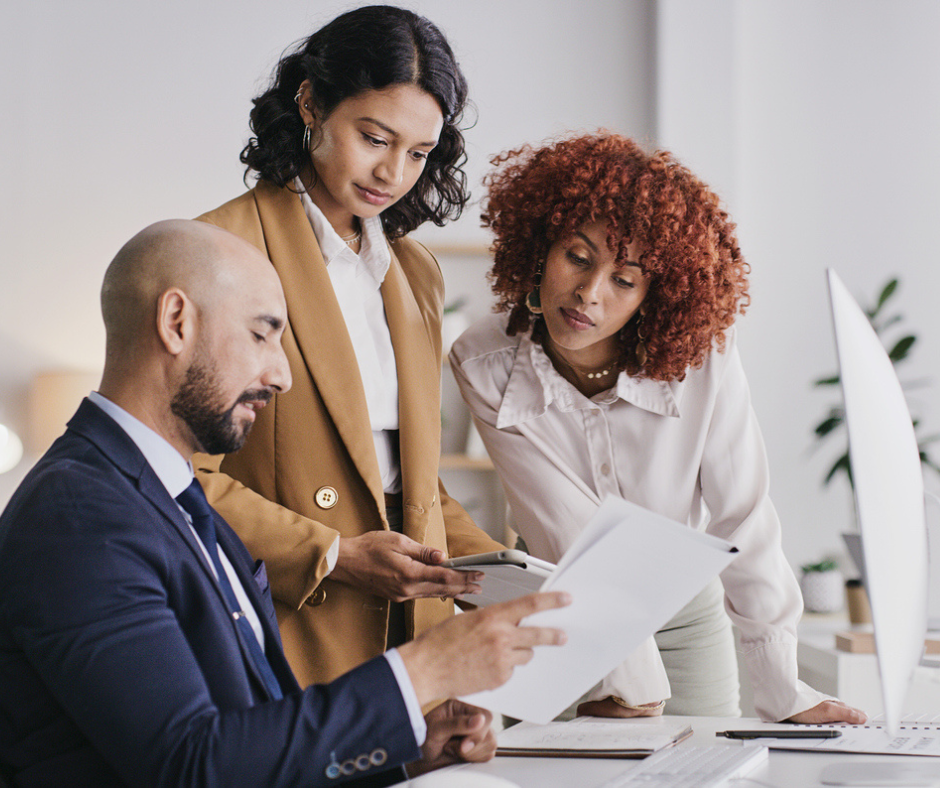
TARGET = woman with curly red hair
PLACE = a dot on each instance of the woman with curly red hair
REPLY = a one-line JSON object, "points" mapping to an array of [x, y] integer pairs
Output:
{"points": [[611, 368]]}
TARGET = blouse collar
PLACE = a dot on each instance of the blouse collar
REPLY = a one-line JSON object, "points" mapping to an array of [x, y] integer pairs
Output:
{"points": [[534, 384]]}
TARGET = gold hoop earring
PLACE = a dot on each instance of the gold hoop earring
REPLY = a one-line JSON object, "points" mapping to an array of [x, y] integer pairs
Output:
{"points": [[533, 301], [640, 349]]}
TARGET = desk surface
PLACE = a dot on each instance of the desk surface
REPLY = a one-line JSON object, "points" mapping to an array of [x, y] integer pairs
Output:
{"points": [[783, 770]]}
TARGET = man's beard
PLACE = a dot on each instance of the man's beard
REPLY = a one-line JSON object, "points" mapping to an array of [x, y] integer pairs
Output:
{"points": [[196, 402]]}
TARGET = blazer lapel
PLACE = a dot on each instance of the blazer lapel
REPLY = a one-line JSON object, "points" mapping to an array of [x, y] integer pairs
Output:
{"points": [[238, 555], [95, 425], [318, 325], [418, 402]]}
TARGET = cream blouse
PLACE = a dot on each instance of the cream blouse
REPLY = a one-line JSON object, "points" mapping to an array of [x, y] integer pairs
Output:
{"points": [[689, 450]]}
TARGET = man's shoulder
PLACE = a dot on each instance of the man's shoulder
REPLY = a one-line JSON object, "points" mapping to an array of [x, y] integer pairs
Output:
{"points": [[73, 479]]}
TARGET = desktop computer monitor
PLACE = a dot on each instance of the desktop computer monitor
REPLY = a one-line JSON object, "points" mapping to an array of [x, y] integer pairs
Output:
{"points": [[889, 498]]}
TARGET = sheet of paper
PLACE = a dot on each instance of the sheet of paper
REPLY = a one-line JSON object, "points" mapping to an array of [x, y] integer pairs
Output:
{"points": [[870, 739], [628, 573]]}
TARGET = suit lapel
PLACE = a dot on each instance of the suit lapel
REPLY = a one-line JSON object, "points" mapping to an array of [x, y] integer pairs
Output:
{"points": [[318, 325], [99, 428], [418, 402], [96, 426], [237, 555]]}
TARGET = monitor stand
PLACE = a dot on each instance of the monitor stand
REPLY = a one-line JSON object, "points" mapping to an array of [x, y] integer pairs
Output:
{"points": [[882, 773]]}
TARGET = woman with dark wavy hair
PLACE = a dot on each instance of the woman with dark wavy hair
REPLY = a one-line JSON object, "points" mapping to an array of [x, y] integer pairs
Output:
{"points": [[356, 142], [611, 368]]}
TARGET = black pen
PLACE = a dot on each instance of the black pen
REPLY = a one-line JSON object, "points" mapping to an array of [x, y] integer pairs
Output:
{"points": [[796, 733]]}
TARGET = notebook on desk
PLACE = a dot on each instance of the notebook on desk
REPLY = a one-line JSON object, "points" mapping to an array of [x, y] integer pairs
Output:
{"points": [[592, 737]]}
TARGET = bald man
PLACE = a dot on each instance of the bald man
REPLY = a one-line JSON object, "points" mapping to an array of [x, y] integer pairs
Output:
{"points": [[138, 642]]}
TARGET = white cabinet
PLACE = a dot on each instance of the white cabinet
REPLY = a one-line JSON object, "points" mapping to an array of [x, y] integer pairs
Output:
{"points": [[853, 678]]}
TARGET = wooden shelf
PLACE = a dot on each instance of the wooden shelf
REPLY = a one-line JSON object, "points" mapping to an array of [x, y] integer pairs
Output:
{"points": [[461, 462]]}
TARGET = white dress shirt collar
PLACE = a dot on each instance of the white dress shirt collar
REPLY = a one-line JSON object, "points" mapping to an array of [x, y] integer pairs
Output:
{"points": [[534, 384], [170, 466], [374, 253], [176, 474]]}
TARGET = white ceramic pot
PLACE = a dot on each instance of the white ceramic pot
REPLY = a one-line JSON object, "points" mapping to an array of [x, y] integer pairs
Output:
{"points": [[823, 592]]}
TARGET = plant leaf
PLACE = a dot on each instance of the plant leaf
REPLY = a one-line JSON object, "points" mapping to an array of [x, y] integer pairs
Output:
{"points": [[833, 381], [842, 464], [827, 426], [886, 292], [880, 327], [901, 348]]}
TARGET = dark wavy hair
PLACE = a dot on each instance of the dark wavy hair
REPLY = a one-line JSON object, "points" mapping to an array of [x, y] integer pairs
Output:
{"points": [[698, 278], [370, 48]]}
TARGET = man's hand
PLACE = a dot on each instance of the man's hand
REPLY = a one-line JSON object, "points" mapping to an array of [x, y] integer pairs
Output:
{"points": [[477, 651], [457, 732], [830, 711], [395, 567], [609, 708]]}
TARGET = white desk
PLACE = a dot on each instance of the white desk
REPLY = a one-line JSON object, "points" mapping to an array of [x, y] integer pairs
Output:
{"points": [[783, 770]]}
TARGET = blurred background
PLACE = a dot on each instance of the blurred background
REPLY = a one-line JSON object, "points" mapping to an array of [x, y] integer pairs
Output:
{"points": [[817, 122]]}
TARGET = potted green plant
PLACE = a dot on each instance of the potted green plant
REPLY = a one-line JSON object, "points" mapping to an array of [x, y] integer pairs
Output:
{"points": [[883, 320], [822, 587]]}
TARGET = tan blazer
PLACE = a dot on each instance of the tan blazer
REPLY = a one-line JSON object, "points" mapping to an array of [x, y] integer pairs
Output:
{"points": [[308, 470]]}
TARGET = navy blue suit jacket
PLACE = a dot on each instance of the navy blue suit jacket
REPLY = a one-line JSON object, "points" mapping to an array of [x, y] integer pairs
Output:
{"points": [[121, 664]]}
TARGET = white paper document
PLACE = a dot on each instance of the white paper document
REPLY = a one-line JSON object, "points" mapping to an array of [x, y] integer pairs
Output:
{"points": [[910, 739], [628, 573]]}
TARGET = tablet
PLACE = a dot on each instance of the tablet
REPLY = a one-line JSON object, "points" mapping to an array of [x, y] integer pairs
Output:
{"points": [[507, 574]]}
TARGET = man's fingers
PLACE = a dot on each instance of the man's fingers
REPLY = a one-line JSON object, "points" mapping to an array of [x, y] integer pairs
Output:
{"points": [[529, 637], [457, 725], [518, 609]]}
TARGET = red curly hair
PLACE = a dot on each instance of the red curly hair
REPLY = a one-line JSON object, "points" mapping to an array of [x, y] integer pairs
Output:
{"points": [[698, 278]]}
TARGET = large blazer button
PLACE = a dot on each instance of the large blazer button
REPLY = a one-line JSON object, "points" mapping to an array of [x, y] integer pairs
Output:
{"points": [[318, 597], [326, 497]]}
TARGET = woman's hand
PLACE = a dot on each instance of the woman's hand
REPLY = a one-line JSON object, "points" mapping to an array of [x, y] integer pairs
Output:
{"points": [[395, 567], [456, 732], [610, 708], [830, 711]]}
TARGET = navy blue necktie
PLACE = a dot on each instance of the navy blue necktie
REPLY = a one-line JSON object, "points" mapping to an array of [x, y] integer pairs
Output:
{"points": [[193, 500]]}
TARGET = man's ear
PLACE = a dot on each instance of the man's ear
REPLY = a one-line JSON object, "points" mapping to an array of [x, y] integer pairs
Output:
{"points": [[176, 320]]}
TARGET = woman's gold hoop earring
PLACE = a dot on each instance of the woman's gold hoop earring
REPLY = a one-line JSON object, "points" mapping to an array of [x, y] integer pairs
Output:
{"points": [[533, 301], [640, 349]]}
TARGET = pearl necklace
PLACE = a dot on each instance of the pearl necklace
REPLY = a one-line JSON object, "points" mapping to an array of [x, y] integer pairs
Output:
{"points": [[602, 374], [589, 375]]}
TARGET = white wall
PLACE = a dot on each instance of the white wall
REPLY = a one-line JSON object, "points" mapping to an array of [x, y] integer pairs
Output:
{"points": [[818, 122], [833, 114], [117, 114]]}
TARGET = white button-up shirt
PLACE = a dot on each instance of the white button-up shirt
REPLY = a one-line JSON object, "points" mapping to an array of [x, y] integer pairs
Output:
{"points": [[689, 450], [357, 279]]}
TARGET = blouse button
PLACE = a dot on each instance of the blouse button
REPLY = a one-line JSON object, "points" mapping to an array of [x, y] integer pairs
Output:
{"points": [[605, 469]]}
